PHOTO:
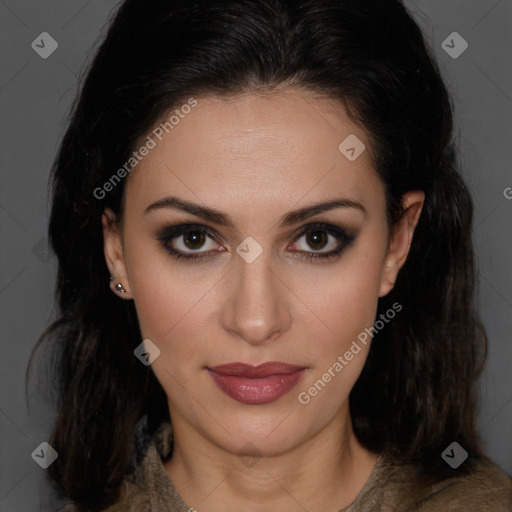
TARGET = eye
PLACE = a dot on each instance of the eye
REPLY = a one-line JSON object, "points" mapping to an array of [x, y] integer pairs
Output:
{"points": [[322, 236], [184, 240], [197, 242]]}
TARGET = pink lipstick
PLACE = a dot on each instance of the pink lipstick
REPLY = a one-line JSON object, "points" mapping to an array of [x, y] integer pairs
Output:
{"points": [[256, 385]]}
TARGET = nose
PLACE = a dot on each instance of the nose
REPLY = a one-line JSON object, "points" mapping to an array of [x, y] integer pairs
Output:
{"points": [[257, 310]]}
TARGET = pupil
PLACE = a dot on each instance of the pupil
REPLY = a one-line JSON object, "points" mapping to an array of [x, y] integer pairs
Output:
{"points": [[194, 238], [317, 237]]}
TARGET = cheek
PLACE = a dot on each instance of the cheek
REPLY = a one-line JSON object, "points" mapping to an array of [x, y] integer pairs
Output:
{"points": [[343, 298], [344, 301], [167, 296]]}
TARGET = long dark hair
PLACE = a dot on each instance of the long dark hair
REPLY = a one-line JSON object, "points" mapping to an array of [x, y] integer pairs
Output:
{"points": [[416, 393]]}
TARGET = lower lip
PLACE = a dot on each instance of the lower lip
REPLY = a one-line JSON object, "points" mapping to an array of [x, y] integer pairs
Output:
{"points": [[256, 391]]}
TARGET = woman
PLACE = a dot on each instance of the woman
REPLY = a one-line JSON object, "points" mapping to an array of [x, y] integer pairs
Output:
{"points": [[265, 268]]}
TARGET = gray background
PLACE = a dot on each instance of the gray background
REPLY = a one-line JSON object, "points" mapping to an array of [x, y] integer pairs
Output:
{"points": [[35, 95]]}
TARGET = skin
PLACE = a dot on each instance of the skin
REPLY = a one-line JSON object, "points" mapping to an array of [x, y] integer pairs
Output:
{"points": [[256, 157]]}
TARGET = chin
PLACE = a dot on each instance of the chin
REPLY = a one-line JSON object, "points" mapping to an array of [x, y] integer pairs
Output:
{"points": [[264, 436]]}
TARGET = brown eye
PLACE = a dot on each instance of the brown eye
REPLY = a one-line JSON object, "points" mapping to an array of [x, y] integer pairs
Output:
{"points": [[322, 241], [194, 239], [188, 241], [317, 239]]}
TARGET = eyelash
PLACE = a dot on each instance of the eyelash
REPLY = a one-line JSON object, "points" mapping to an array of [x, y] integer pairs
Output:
{"points": [[169, 233]]}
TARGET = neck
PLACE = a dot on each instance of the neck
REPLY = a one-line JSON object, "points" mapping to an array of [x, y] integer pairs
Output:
{"points": [[325, 472]]}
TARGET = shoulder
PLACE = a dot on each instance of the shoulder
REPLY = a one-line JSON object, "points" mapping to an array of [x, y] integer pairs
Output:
{"points": [[131, 499], [485, 489], [144, 487], [481, 487]]}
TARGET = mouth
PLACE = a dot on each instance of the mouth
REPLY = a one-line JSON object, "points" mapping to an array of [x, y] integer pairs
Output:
{"points": [[256, 385]]}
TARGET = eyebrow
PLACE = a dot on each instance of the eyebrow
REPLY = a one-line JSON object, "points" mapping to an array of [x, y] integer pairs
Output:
{"points": [[223, 219]]}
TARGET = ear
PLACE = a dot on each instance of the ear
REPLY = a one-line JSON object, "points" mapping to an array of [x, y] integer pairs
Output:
{"points": [[401, 238], [113, 250]]}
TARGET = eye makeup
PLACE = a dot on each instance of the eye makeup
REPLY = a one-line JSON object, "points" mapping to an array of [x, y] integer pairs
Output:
{"points": [[315, 233]]}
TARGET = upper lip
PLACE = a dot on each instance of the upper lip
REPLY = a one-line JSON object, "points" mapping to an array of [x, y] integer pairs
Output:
{"points": [[262, 370]]}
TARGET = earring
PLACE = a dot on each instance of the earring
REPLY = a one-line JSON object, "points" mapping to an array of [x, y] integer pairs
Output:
{"points": [[120, 289]]}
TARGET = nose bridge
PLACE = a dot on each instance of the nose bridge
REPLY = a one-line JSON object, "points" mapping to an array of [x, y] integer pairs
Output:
{"points": [[256, 311]]}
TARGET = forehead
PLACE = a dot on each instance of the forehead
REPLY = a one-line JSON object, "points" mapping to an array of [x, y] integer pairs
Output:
{"points": [[259, 150]]}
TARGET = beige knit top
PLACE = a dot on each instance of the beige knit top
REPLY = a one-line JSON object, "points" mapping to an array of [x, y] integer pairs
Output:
{"points": [[487, 489]]}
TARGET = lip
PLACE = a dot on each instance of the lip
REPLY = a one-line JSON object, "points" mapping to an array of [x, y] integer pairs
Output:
{"points": [[256, 385]]}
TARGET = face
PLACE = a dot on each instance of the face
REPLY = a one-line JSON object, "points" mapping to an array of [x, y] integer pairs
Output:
{"points": [[252, 282]]}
